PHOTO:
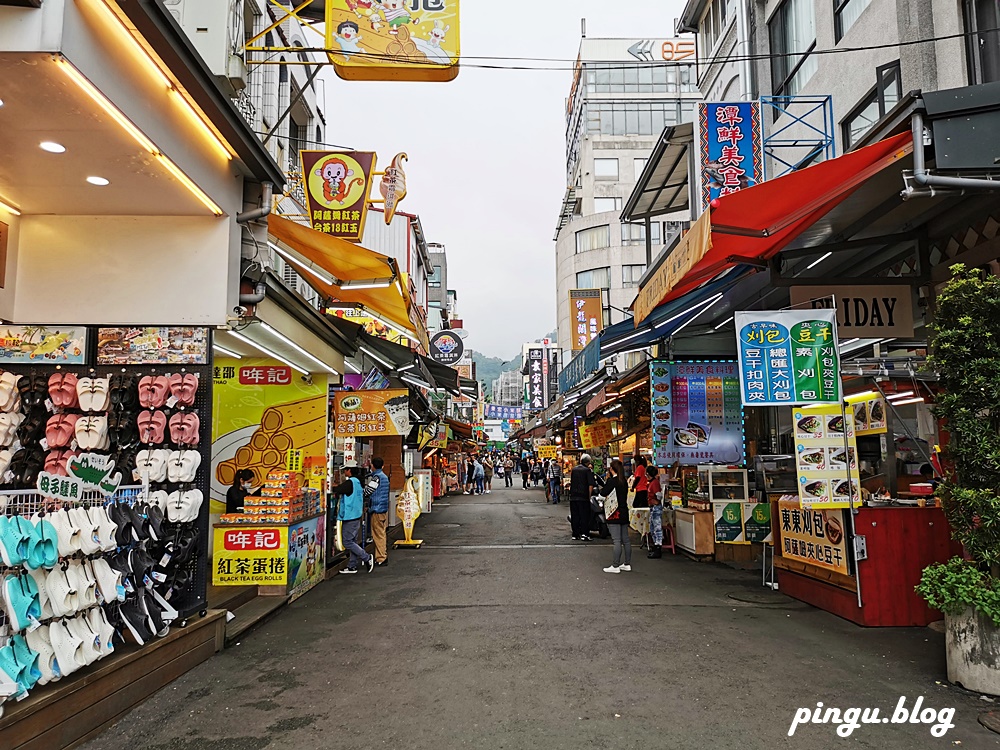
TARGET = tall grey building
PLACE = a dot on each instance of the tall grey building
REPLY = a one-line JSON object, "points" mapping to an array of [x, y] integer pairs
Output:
{"points": [[437, 287], [624, 92]]}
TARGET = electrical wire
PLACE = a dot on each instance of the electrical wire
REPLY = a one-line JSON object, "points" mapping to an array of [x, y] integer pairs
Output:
{"points": [[615, 65]]}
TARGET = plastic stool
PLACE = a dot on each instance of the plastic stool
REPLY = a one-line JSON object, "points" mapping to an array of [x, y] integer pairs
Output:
{"points": [[668, 539]]}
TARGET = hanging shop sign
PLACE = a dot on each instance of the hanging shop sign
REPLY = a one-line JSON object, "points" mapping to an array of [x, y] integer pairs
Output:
{"points": [[864, 312], [374, 381], [869, 416], [393, 40], [536, 382], [788, 357], [498, 411], [595, 435], [695, 243], [581, 367], [256, 423], [365, 413], [552, 376], [586, 316], [336, 185], [256, 556], [350, 451], [826, 456], [43, 344], [306, 555], [547, 451], [373, 326], [731, 148], [164, 345], [87, 471], [447, 348], [696, 412], [814, 537], [393, 186], [757, 522]]}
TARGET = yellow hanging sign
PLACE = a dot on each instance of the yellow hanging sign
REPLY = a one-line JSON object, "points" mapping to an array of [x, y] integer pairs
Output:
{"points": [[393, 40]]}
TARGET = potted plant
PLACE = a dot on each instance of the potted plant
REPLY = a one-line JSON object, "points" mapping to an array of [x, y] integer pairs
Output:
{"points": [[966, 356]]}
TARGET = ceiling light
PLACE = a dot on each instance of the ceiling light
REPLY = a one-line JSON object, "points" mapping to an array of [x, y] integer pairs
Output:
{"points": [[904, 402], [367, 284], [100, 181], [705, 303], [268, 352], [129, 127], [52, 147], [860, 396], [711, 303], [374, 356], [727, 320], [819, 260], [353, 366], [410, 366], [904, 394], [9, 208], [307, 266], [296, 347], [227, 352]]}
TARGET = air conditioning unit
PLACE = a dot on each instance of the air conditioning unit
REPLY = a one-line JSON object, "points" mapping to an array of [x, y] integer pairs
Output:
{"points": [[215, 27]]}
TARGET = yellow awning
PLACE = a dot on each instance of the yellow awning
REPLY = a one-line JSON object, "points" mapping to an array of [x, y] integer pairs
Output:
{"points": [[346, 261]]}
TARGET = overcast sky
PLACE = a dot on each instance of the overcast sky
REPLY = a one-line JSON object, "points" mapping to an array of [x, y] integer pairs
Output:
{"points": [[487, 167]]}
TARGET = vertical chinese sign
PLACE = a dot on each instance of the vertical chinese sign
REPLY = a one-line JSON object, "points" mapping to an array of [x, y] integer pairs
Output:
{"points": [[731, 148], [336, 184], [536, 379], [586, 316], [552, 381], [697, 416], [788, 357]]}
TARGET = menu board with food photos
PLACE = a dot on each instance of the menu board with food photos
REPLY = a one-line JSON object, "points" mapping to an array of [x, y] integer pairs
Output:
{"points": [[869, 416], [696, 412], [825, 446]]}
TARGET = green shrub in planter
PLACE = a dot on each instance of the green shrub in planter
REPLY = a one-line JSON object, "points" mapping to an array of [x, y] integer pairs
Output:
{"points": [[958, 584]]}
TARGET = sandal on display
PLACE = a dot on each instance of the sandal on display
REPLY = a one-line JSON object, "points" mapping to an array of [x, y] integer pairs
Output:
{"points": [[60, 429], [185, 544], [68, 646], [84, 583], [90, 541], [183, 388], [20, 594], [35, 558], [39, 640], [152, 426], [27, 658], [56, 461], [159, 499], [127, 533], [183, 507], [106, 528], [185, 428], [62, 593], [11, 673], [153, 391], [32, 428], [48, 541], [33, 389], [67, 532], [6, 455], [124, 459], [93, 394], [122, 428], [80, 627], [9, 396], [43, 593], [109, 581], [136, 621], [62, 390], [9, 422], [14, 545], [137, 519], [183, 466], [124, 391], [105, 632]]}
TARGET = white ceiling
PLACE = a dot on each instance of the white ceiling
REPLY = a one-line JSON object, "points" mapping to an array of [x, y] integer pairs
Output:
{"points": [[41, 103]]}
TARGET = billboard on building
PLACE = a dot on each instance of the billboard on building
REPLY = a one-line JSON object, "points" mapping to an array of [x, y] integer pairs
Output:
{"points": [[731, 152], [336, 184], [586, 316]]}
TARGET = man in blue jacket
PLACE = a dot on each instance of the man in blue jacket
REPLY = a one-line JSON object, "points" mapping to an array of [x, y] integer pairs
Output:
{"points": [[349, 513], [380, 509]]}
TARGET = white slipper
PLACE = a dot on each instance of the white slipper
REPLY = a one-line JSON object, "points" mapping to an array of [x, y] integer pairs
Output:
{"points": [[9, 396], [68, 647], [69, 532], [39, 640], [109, 581], [80, 627], [63, 596], [100, 625], [159, 499], [154, 462], [183, 466], [90, 541], [106, 528]]}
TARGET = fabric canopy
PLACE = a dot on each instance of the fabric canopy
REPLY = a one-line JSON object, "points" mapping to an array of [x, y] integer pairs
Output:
{"points": [[347, 262], [758, 222]]}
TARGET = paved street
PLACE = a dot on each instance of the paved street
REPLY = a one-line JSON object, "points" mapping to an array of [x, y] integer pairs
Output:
{"points": [[502, 633]]}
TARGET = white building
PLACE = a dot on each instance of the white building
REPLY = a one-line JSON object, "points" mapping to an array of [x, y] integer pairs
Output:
{"points": [[624, 92]]}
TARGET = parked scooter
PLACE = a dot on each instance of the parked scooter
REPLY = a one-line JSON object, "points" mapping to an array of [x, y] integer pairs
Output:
{"points": [[598, 523]]}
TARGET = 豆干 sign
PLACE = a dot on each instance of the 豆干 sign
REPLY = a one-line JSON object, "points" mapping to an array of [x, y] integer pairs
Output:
{"points": [[788, 357]]}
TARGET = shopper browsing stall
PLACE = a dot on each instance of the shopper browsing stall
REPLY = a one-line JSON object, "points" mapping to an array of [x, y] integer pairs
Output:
{"points": [[379, 483], [581, 487], [654, 495], [349, 513]]}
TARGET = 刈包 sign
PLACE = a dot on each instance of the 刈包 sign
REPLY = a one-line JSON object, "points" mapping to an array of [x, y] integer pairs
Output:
{"points": [[863, 312]]}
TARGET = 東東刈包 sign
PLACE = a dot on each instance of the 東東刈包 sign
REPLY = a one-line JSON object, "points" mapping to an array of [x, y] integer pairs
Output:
{"points": [[788, 357], [731, 152]]}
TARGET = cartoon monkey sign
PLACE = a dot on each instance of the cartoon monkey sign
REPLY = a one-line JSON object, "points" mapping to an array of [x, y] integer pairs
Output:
{"points": [[337, 185]]}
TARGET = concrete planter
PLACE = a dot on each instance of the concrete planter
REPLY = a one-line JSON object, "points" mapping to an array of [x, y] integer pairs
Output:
{"points": [[972, 648]]}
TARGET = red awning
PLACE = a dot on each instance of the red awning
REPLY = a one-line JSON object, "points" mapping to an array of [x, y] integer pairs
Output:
{"points": [[757, 223]]}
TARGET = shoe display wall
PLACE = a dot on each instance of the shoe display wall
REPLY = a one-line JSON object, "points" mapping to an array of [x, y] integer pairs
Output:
{"points": [[79, 580]]}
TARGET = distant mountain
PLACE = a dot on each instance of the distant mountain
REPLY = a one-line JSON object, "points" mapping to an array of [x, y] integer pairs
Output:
{"points": [[488, 369]]}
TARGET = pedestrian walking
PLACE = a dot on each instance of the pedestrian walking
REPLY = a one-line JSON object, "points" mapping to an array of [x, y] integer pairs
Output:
{"points": [[488, 474], [581, 488], [525, 472], [655, 492], [536, 473], [349, 513], [470, 476], [554, 476], [378, 482], [508, 471], [479, 473], [616, 490], [640, 483]]}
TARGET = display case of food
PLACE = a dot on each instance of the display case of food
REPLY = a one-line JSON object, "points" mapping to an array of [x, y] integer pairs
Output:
{"points": [[721, 484], [775, 475]]}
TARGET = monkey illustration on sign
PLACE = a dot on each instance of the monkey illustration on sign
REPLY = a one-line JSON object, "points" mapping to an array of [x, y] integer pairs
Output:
{"points": [[336, 183]]}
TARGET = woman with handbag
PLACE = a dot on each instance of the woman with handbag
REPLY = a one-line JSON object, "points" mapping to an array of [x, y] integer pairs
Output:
{"points": [[616, 493]]}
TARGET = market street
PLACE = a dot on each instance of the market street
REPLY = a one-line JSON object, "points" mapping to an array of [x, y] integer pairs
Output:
{"points": [[475, 640]]}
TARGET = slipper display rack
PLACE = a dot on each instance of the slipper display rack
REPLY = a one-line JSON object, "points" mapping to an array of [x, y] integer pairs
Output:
{"points": [[121, 411]]}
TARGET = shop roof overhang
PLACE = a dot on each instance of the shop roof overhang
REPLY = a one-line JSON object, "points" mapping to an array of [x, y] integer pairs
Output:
{"points": [[752, 226], [662, 188], [160, 29]]}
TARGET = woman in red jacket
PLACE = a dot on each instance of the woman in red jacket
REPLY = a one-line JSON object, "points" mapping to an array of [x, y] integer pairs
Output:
{"points": [[640, 483]]}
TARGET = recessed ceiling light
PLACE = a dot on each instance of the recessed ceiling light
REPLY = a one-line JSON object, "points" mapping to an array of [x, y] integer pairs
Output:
{"points": [[94, 180], [52, 147], [1, 102]]}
